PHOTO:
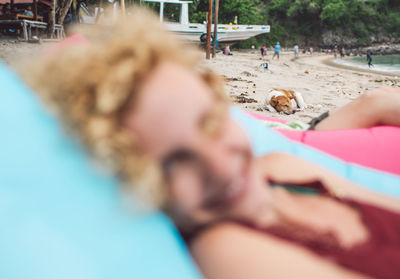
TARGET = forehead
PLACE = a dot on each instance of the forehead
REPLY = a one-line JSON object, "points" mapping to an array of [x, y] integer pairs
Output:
{"points": [[173, 82], [170, 104]]}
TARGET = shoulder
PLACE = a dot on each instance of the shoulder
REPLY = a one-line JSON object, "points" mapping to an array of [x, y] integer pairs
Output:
{"points": [[232, 250]]}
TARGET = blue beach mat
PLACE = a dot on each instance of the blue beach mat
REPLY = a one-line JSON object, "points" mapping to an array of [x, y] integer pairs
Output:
{"points": [[265, 140], [62, 219]]}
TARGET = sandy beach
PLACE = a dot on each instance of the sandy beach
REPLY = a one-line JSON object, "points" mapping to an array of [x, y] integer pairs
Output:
{"points": [[14, 51], [324, 87]]}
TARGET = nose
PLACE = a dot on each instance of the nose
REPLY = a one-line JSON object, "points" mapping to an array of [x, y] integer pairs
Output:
{"points": [[224, 161], [226, 154]]}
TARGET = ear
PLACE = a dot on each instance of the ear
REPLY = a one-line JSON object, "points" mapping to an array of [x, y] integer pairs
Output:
{"points": [[273, 101]]}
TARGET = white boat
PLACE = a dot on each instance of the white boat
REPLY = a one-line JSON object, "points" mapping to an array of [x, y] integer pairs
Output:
{"points": [[196, 32]]}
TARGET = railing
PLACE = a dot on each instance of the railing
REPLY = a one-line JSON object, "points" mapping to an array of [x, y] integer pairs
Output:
{"points": [[20, 16], [27, 25]]}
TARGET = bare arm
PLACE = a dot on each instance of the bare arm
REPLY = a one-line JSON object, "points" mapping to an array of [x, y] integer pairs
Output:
{"points": [[234, 252], [289, 168], [373, 108]]}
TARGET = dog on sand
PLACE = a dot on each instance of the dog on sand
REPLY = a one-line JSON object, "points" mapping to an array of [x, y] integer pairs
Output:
{"points": [[285, 101]]}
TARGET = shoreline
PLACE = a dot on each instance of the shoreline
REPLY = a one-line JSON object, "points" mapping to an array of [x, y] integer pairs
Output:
{"points": [[330, 62]]}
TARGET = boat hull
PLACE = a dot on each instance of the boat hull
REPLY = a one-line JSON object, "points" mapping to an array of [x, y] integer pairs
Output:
{"points": [[226, 34]]}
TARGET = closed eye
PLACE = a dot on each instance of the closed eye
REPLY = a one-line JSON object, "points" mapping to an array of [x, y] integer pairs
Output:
{"points": [[178, 156], [211, 122]]}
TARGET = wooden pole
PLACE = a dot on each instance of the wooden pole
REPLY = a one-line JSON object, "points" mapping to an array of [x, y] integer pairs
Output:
{"points": [[35, 11], [99, 12], [210, 10], [35, 15], [215, 27], [122, 3]]}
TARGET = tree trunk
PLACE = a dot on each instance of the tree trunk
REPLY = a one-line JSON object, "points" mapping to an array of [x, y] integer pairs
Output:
{"points": [[63, 10], [52, 19], [78, 10]]}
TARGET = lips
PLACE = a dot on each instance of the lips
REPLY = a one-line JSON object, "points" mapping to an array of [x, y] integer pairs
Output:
{"points": [[236, 191], [225, 195], [234, 188]]}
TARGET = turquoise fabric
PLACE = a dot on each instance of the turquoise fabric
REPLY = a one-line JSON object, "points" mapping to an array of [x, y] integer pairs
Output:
{"points": [[59, 217], [265, 140]]}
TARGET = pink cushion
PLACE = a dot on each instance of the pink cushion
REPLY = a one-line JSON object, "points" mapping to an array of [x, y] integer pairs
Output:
{"points": [[263, 117], [375, 147], [76, 39]]}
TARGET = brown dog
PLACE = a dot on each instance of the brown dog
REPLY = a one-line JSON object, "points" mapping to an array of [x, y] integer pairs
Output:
{"points": [[285, 101]]}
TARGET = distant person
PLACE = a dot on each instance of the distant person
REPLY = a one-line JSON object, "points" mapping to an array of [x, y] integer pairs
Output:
{"points": [[335, 51], [263, 50], [296, 50], [28, 11], [369, 59], [277, 50], [342, 52], [311, 50], [227, 51]]}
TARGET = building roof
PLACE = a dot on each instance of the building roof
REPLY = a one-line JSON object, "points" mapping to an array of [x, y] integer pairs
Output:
{"points": [[25, 2]]}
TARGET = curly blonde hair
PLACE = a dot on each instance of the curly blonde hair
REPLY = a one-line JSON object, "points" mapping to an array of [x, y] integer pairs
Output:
{"points": [[91, 86]]}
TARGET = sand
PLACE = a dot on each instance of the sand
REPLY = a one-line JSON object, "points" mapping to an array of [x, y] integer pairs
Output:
{"points": [[324, 87], [13, 51]]}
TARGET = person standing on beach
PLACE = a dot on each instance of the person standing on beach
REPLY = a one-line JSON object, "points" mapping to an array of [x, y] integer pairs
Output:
{"points": [[227, 51], [335, 51], [369, 59], [277, 50], [296, 50], [342, 52], [263, 50]]}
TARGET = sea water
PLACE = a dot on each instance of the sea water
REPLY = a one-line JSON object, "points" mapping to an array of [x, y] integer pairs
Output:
{"points": [[382, 63]]}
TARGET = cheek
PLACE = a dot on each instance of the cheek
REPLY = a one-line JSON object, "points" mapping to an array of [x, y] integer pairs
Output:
{"points": [[232, 135]]}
